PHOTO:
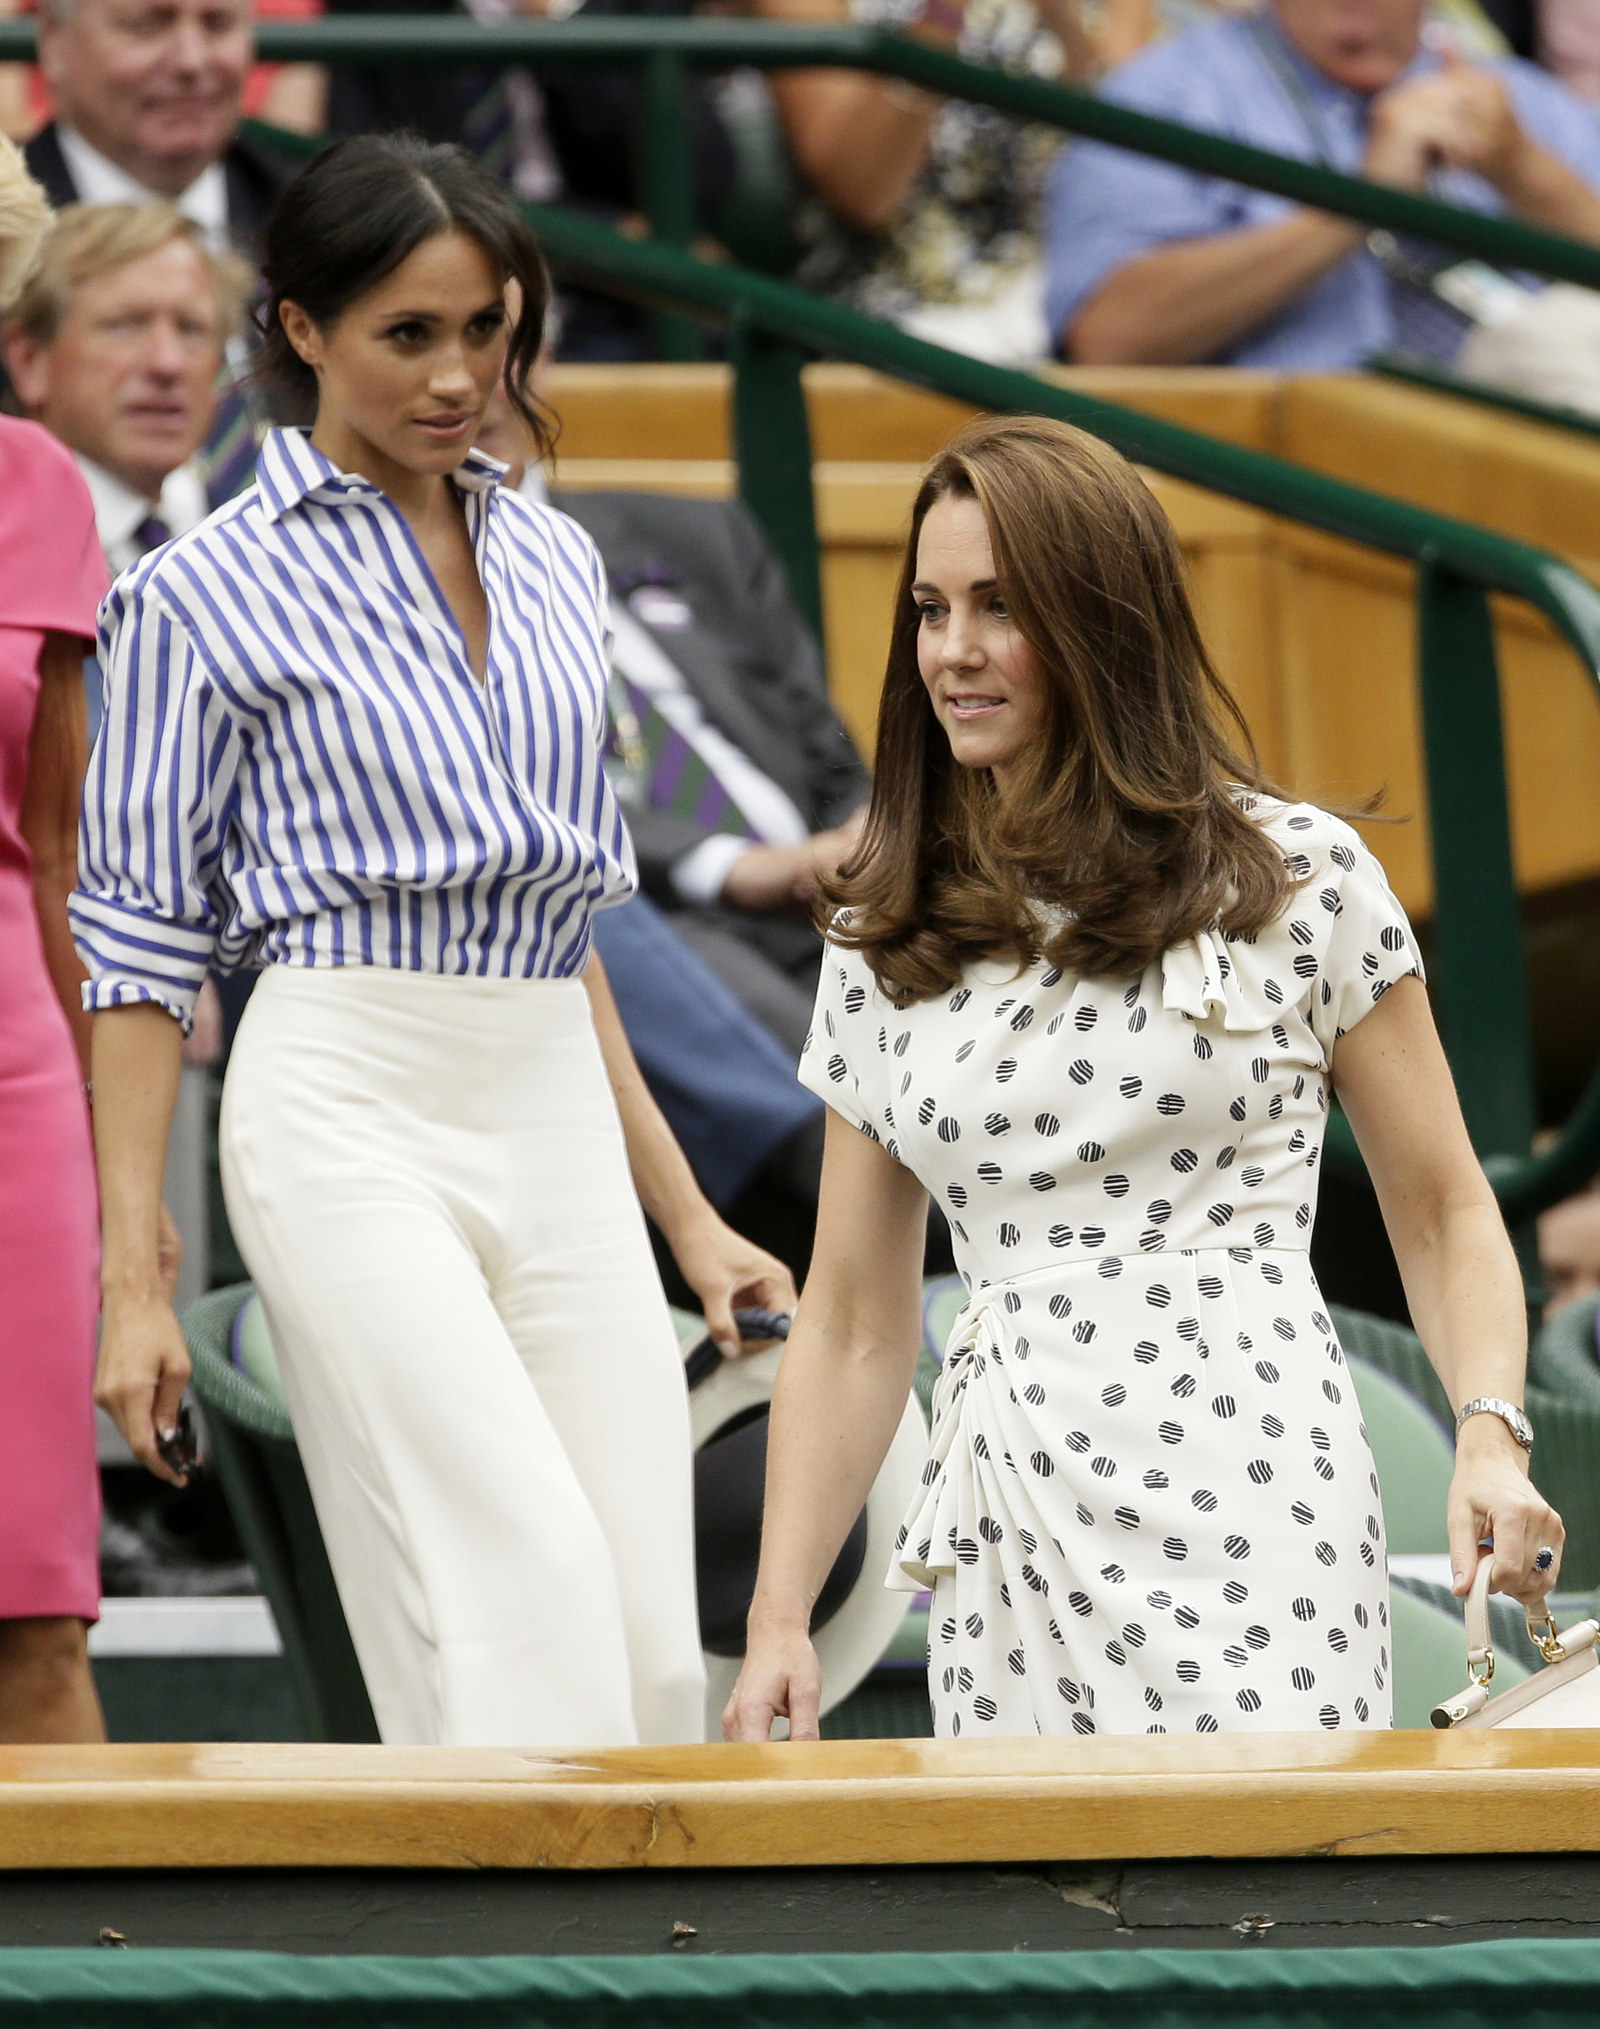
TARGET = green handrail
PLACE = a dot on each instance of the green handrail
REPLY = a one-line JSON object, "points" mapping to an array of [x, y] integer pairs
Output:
{"points": [[1478, 973], [672, 46]]}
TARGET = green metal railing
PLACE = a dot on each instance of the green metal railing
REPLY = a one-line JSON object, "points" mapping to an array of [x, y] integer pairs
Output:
{"points": [[1478, 975]]}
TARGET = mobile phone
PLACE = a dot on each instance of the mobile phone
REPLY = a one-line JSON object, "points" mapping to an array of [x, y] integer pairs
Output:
{"points": [[179, 1451], [705, 1358]]}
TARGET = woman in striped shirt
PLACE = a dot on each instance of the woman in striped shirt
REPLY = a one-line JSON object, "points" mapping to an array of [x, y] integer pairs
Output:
{"points": [[353, 735]]}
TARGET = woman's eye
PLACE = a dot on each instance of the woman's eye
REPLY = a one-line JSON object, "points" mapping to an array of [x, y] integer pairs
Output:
{"points": [[929, 612], [484, 328], [410, 333], [999, 608]]}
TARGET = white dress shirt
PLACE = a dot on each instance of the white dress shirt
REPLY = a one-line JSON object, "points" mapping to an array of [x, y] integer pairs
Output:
{"points": [[99, 180], [119, 510]]}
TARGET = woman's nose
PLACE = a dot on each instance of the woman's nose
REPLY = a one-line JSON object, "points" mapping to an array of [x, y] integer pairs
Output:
{"points": [[962, 647]]}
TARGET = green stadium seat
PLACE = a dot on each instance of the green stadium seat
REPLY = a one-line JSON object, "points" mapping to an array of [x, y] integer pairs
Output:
{"points": [[1567, 1457], [1414, 1460]]}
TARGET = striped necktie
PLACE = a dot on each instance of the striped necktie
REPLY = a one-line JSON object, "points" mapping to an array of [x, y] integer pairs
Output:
{"points": [[228, 455], [667, 771]]}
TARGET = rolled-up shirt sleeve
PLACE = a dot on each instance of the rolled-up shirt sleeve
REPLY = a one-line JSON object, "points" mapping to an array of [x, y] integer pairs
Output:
{"points": [[155, 814]]}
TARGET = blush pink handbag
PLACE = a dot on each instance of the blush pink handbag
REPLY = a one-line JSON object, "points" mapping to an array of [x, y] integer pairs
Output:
{"points": [[1566, 1692]]}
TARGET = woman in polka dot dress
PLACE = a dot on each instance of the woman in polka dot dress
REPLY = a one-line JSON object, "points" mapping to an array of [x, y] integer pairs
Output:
{"points": [[1091, 991]]}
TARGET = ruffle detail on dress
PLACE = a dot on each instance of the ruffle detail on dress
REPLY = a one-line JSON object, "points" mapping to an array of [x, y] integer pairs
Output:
{"points": [[1250, 988]]}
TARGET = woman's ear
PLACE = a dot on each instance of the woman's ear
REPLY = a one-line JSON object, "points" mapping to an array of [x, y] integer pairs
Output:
{"points": [[301, 333]]}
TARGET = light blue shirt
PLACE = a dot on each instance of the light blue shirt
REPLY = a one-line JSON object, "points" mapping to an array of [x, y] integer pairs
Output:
{"points": [[298, 766], [1105, 205]]}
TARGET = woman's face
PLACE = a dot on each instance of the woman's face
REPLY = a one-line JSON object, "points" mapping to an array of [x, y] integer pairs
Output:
{"points": [[982, 677], [405, 374]]}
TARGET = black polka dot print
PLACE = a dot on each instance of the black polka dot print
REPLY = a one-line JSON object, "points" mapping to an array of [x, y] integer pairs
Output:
{"points": [[1148, 1504]]}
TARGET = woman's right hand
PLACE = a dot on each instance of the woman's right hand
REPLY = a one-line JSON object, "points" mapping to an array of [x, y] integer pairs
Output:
{"points": [[781, 1678], [143, 1371]]}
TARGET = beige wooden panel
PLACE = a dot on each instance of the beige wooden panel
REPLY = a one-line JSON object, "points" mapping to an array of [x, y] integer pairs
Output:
{"points": [[682, 411], [835, 1803], [1524, 479], [1352, 724]]}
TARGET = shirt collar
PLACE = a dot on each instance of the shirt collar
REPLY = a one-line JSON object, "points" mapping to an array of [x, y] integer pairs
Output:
{"points": [[119, 510], [291, 470], [99, 180]]}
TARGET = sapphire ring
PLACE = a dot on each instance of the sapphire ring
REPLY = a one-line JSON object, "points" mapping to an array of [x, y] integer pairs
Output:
{"points": [[1544, 1560]]}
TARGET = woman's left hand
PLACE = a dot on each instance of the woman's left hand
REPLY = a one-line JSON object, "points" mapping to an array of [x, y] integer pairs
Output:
{"points": [[729, 1273], [1492, 1498]]}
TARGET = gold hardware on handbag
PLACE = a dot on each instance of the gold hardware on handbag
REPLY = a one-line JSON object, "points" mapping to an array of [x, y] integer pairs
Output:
{"points": [[1566, 1692]]}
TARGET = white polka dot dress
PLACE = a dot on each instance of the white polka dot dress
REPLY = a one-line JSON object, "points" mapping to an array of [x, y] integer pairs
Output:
{"points": [[1150, 1505]]}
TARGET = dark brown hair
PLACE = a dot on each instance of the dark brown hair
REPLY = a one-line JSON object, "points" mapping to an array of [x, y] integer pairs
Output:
{"points": [[350, 218], [1122, 813]]}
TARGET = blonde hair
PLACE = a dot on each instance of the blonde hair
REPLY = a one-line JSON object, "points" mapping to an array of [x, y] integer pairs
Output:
{"points": [[24, 221], [90, 240]]}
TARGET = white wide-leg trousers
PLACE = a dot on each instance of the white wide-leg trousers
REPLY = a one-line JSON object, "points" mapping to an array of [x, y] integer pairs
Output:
{"points": [[427, 1179]]}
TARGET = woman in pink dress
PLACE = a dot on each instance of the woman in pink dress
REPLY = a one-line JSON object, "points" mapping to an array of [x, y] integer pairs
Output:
{"points": [[52, 577]]}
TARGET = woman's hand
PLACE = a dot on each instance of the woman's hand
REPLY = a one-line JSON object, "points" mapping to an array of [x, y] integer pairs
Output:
{"points": [[781, 1678], [729, 1273], [143, 1371], [1491, 1497]]}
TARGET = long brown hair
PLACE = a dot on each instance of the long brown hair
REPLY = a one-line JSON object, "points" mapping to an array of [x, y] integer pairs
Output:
{"points": [[1122, 813]]}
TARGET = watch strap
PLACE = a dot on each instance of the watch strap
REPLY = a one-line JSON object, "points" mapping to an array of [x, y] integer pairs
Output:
{"points": [[1515, 1419]]}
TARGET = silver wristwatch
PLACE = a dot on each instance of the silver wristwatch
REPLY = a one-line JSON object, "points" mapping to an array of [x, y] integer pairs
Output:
{"points": [[1508, 1412]]}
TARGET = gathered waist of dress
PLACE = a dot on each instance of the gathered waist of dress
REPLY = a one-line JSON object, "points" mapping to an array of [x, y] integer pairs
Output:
{"points": [[1114, 1257]]}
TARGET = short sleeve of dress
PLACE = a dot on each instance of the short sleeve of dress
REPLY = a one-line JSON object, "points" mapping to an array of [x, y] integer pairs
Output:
{"points": [[839, 1060], [1371, 944], [52, 569]]}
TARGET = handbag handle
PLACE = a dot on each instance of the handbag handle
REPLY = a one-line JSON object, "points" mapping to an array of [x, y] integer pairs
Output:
{"points": [[1480, 1650]]}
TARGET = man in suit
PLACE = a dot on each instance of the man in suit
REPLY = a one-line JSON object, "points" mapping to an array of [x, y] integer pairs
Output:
{"points": [[115, 345], [147, 96], [707, 634]]}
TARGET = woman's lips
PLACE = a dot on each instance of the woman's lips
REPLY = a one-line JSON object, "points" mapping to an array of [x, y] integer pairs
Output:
{"points": [[972, 705], [445, 426]]}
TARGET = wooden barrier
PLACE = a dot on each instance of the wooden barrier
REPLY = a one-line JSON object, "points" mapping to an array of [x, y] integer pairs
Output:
{"points": [[1315, 635], [840, 1803], [1016, 1845]]}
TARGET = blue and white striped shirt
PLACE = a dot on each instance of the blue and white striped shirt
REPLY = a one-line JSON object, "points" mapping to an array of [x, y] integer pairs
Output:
{"points": [[297, 765]]}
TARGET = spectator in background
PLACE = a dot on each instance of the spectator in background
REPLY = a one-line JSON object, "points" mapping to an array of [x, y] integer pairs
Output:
{"points": [[115, 345], [147, 107], [148, 96], [932, 206], [740, 781], [1153, 264], [288, 95]]}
